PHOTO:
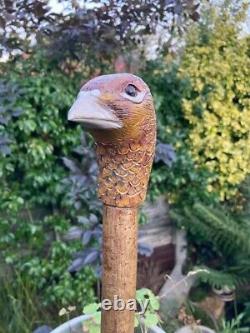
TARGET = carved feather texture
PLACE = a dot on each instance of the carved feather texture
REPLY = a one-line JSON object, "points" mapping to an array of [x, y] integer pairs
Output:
{"points": [[125, 168]]}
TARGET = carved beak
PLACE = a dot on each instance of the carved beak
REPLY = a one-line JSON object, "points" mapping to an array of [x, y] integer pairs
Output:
{"points": [[92, 112]]}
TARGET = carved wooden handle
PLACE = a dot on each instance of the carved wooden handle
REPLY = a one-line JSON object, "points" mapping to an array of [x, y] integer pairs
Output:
{"points": [[118, 111]]}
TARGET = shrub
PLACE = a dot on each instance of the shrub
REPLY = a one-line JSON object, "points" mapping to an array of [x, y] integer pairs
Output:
{"points": [[34, 217], [216, 104], [185, 181]]}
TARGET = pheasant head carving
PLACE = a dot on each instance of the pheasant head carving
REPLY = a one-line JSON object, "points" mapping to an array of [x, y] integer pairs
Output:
{"points": [[118, 111]]}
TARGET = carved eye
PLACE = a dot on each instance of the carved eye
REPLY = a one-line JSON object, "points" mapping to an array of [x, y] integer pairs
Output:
{"points": [[131, 90]]}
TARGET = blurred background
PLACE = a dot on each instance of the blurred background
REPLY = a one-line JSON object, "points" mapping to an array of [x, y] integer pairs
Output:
{"points": [[195, 56]]}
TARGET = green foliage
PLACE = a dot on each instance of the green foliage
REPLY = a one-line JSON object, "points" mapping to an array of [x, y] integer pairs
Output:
{"points": [[233, 326], [203, 111], [222, 242], [146, 320], [217, 105], [21, 310], [41, 135], [150, 317], [92, 325], [34, 218], [31, 248], [215, 278], [184, 181], [202, 104]]}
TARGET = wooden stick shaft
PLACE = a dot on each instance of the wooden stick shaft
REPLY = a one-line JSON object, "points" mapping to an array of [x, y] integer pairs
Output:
{"points": [[119, 266]]}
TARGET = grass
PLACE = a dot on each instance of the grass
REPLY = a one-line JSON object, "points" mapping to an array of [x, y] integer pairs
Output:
{"points": [[20, 308]]}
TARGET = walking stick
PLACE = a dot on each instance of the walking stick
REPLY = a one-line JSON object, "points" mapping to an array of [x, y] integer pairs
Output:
{"points": [[118, 111]]}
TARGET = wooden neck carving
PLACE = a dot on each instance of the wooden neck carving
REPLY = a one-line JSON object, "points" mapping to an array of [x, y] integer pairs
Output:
{"points": [[125, 168]]}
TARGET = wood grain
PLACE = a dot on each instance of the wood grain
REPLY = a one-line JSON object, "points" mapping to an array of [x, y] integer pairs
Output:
{"points": [[119, 265]]}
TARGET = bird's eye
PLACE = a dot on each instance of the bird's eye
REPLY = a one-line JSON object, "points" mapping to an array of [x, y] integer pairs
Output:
{"points": [[131, 90]]}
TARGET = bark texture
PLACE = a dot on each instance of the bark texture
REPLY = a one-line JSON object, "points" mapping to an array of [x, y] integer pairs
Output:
{"points": [[119, 266]]}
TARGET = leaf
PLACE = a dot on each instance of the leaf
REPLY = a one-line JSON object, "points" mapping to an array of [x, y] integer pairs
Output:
{"points": [[5, 150], [140, 294], [86, 237], [74, 233], [93, 218], [165, 153], [97, 317], [97, 233], [4, 140], [154, 303], [143, 294], [83, 220], [17, 112], [90, 258], [91, 308], [62, 312], [3, 121], [151, 319], [71, 165], [71, 308], [76, 265], [77, 205], [94, 328]]}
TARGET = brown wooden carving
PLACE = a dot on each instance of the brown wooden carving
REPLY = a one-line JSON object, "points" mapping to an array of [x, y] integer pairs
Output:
{"points": [[125, 154], [118, 111]]}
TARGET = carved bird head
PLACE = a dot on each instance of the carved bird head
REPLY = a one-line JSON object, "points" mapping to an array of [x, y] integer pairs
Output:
{"points": [[118, 111], [117, 103]]}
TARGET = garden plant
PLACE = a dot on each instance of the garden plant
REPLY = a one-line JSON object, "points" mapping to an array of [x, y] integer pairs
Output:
{"points": [[195, 58]]}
